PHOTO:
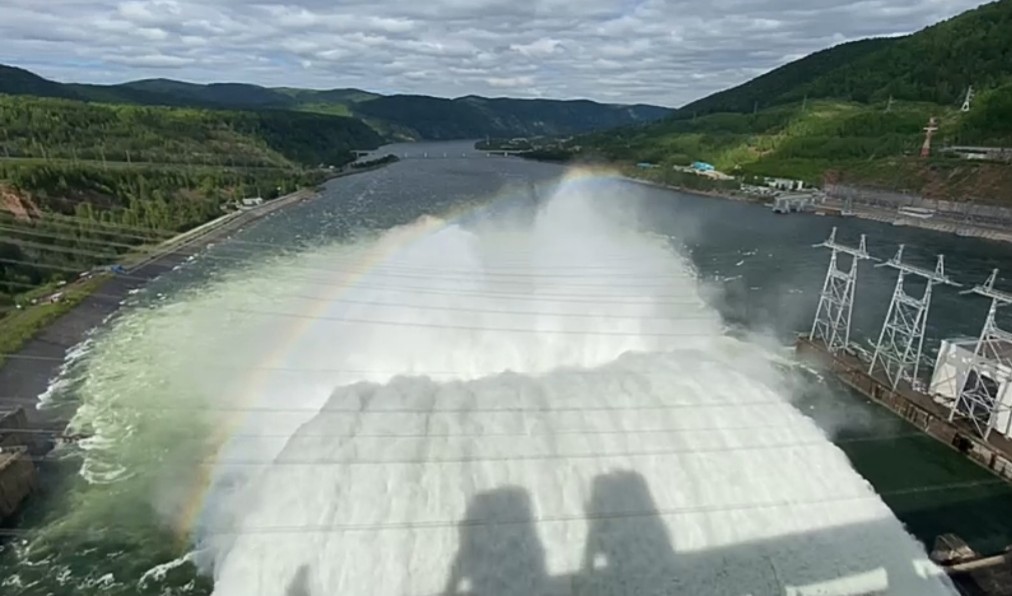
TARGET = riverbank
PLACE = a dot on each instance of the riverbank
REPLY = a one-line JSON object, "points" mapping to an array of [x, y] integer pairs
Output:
{"points": [[936, 223], [712, 194], [890, 216], [27, 373]]}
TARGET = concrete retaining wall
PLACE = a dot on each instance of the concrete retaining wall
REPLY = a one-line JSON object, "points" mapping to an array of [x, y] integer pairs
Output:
{"points": [[17, 479], [993, 214], [11, 422]]}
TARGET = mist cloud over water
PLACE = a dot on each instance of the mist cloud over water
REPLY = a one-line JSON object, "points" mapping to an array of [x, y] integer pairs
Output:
{"points": [[539, 406]]}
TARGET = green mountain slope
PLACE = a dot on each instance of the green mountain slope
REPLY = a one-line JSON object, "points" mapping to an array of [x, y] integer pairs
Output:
{"points": [[399, 116], [772, 87], [18, 81], [785, 140], [83, 184], [73, 130], [473, 117], [936, 64], [831, 114], [232, 95]]}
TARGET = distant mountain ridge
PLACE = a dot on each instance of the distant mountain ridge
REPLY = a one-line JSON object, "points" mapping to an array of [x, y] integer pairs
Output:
{"points": [[936, 65], [396, 116]]}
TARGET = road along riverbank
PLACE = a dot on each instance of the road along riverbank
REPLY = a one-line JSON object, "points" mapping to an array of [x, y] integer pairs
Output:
{"points": [[938, 223]]}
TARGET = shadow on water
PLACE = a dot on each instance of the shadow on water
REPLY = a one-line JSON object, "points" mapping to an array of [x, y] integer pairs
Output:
{"points": [[299, 586], [500, 552], [628, 547], [629, 550]]}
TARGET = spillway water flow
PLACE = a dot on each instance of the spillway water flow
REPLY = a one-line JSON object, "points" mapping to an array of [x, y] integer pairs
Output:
{"points": [[333, 434]]}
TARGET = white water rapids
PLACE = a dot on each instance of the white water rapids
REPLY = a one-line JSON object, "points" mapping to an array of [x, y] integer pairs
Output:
{"points": [[509, 410]]}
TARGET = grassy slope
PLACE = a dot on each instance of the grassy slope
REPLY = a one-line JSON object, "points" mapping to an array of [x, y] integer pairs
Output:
{"points": [[17, 327], [847, 130], [862, 143]]}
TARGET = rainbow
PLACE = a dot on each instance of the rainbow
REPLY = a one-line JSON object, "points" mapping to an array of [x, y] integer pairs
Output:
{"points": [[379, 253]]}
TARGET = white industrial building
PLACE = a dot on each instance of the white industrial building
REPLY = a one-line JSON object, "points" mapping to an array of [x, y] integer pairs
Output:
{"points": [[988, 379], [784, 183]]}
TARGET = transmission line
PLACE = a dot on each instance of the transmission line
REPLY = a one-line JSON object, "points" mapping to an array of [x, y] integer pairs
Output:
{"points": [[376, 271], [294, 436], [813, 445], [78, 239], [517, 296], [423, 307], [791, 504], [427, 411]]}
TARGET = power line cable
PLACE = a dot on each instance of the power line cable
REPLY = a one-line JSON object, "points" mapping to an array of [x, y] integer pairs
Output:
{"points": [[426, 411], [428, 307], [79, 239], [821, 443], [791, 504], [530, 433], [379, 270], [517, 296]]}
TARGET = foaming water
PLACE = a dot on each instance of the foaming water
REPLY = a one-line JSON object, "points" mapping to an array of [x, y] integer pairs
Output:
{"points": [[630, 449], [508, 407]]}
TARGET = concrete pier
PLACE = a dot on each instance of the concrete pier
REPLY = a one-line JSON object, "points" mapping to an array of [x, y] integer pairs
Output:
{"points": [[915, 407], [18, 478], [971, 572]]}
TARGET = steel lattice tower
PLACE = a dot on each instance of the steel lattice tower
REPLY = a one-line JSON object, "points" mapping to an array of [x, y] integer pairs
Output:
{"points": [[898, 351], [836, 302], [989, 368]]}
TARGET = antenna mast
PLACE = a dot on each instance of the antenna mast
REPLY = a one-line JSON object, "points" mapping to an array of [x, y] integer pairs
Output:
{"points": [[836, 302], [967, 99], [979, 397], [898, 352]]}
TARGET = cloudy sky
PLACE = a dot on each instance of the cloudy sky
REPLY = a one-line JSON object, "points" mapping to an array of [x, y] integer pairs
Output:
{"points": [[666, 52]]}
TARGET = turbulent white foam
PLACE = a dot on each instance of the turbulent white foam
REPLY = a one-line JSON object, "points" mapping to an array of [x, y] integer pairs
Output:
{"points": [[510, 409], [633, 450]]}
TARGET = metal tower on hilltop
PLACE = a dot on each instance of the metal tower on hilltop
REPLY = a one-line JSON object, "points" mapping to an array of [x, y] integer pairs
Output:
{"points": [[967, 99], [898, 352], [929, 131], [990, 367], [836, 303]]}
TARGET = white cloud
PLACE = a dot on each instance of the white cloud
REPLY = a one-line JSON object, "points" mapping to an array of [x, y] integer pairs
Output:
{"points": [[535, 49], [661, 51], [510, 82], [151, 61]]}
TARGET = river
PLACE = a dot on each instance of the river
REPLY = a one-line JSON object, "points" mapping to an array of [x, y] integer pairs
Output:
{"points": [[469, 374]]}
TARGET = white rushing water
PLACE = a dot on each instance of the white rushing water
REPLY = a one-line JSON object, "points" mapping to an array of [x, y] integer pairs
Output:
{"points": [[545, 408]]}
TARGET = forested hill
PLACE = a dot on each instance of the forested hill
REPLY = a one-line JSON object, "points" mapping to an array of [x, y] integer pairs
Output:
{"points": [[78, 131], [472, 117], [74, 174], [935, 65], [397, 116], [775, 86]]}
